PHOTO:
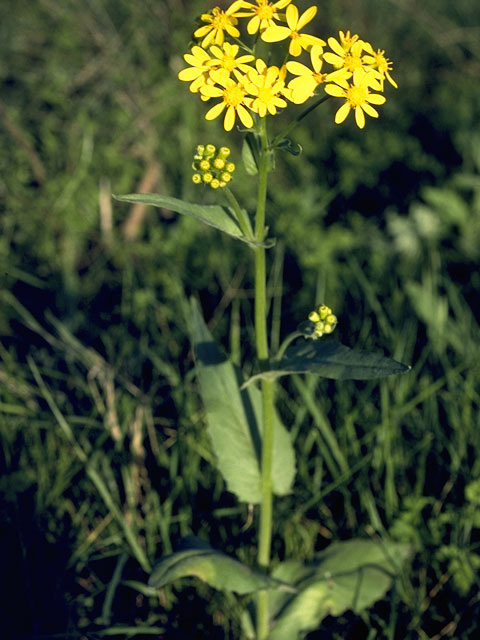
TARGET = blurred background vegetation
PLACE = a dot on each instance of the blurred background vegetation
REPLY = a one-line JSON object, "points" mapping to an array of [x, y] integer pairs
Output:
{"points": [[104, 460]]}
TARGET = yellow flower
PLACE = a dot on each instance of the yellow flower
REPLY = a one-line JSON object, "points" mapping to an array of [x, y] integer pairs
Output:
{"points": [[304, 85], [218, 22], [262, 14], [379, 62], [298, 41], [357, 97], [234, 99], [266, 85], [225, 58], [347, 54], [200, 67]]}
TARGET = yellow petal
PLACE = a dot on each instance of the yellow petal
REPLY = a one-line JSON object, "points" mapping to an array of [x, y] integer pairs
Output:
{"points": [[229, 119], [342, 113], [370, 110], [244, 116], [276, 33], [298, 69], [335, 91], [292, 16], [253, 25], [295, 48], [336, 46], [215, 111], [359, 117], [306, 17], [375, 98], [186, 75]]}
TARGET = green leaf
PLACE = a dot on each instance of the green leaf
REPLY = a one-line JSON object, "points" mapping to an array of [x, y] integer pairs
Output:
{"points": [[235, 422], [215, 568], [222, 218], [331, 360], [347, 575], [251, 151]]}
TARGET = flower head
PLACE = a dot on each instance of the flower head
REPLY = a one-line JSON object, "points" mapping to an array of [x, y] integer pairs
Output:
{"points": [[225, 58], [308, 79], [199, 70], [324, 321], [347, 54], [266, 85], [295, 23], [262, 14], [211, 166], [357, 96], [218, 22], [378, 61], [235, 99]]}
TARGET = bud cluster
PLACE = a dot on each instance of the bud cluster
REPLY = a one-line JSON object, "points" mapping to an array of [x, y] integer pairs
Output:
{"points": [[324, 321], [211, 166]]}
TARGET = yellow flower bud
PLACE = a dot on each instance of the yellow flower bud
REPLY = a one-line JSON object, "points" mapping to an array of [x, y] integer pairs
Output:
{"points": [[225, 176], [230, 167], [196, 178], [215, 183], [204, 165], [219, 163], [210, 149], [207, 177], [224, 152]]}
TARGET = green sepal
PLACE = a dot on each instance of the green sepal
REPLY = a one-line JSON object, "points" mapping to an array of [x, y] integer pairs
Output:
{"points": [[234, 421], [330, 359], [347, 575], [197, 558], [219, 217]]}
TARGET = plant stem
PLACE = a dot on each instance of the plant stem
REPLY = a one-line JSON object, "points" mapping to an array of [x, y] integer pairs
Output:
{"points": [[265, 527]]}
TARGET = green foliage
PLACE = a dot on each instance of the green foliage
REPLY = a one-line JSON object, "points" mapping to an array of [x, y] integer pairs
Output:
{"points": [[330, 359], [235, 422], [198, 559], [221, 218], [347, 575]]}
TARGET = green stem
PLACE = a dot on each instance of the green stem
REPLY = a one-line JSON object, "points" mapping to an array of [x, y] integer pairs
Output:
{"points": [[266, 506], [297, 120]]}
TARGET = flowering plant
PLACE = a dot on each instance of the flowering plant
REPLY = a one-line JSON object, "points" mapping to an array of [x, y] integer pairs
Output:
{"points": [[245, 65]]}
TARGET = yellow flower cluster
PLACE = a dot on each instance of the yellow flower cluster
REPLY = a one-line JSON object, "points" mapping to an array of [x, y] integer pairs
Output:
{"points": [[324, 321], [246, 85], [211, 166]]}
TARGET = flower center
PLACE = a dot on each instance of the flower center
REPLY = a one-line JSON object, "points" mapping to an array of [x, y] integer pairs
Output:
{"points": [[265, 94], [294, 35], [220, 20], [357, 95], [352, 62], [319, 77], [228, 63], [233, 96], [265, 12]]}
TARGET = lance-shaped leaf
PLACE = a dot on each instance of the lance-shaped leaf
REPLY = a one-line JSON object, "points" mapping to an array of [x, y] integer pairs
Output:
{"points": [[347, 575], [331, 360], [221, 218], [235, 421], [197, 558]]}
